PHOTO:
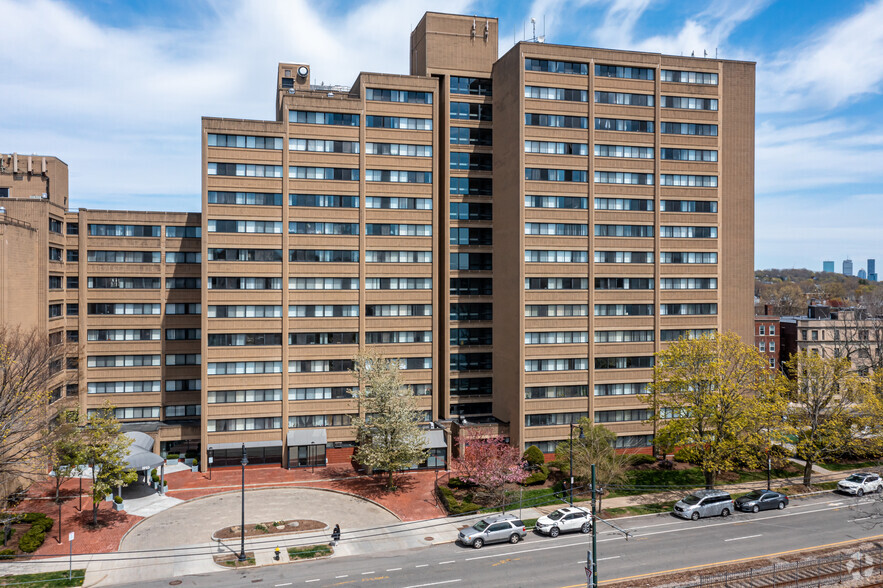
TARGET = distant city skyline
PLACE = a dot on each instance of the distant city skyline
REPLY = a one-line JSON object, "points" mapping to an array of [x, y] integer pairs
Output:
{"points": [[868, 272]]}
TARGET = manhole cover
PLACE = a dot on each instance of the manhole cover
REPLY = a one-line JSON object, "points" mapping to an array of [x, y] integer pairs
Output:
{"points": [[175, 582], [428, 538]]}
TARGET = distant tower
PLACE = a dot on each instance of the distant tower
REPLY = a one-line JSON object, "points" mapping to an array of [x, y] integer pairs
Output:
{"points": [[828, 266], [847, 267], [862, 274], [872, 270]]}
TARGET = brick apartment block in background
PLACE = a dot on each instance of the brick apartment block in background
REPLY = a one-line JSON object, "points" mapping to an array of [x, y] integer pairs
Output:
{"points": [[523, 233]]}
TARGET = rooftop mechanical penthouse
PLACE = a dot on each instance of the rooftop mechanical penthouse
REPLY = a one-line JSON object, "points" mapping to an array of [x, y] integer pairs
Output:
{"points": [[523, 233]]}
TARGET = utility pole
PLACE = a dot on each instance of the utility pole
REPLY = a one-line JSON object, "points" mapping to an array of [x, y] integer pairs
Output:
{"points": [[594, 562]]}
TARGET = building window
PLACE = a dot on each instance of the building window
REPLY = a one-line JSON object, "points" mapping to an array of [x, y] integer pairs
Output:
{"points": [[244, 311], [244, 198], [471, 136], [673, 128], [624, 230], [630, 73], [473, 86], [623, 257], [546, 256], [688, 154], [55, 225], [318, 228], [257, 255], [623, 310], [124, 230], [471, 111], [243, 226], [545, 310], [773, 330], [323, 173], [773, 362], [625, 125], [244, 170], [815, 335], [323, 146], [323, 201], [688, 283], [392, 230], [398, 122], [761, 346], [772, 346], [548, 65], [687, 181], [471, 311], [688, 206], [399, 149], [567, 94], [605, 177], [73, 309], [55, 254], [548, 420], [620, 389], [761, 330], [244, 141], [231, 396], [688, 77], [406, 96], [73, 228], [625, 99], [689, 103], [389, 175], [97, 256], [183, 232], [688, 232], [323, 118]]}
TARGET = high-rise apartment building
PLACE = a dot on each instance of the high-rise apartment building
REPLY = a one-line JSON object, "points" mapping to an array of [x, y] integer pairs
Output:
{"points": [[847, 267], [522, 233], [828, 266]]}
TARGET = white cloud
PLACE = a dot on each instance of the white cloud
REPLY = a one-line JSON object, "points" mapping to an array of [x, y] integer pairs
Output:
{"points": [[122, 106], [839, 65]]}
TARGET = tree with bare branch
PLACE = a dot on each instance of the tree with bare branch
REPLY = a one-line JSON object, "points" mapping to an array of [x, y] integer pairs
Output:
{"points": [[29, 365]]}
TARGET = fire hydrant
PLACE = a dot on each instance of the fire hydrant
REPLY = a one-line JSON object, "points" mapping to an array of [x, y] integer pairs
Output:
{"points": [[276, 557]]}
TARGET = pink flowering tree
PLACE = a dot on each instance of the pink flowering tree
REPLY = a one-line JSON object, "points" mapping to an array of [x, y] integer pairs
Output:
{"points": [[490, 463]]}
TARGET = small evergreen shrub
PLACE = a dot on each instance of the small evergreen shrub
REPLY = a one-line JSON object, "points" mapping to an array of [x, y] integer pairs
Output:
{"points": [[118, 499], [32, 540], [195, 462], [7, 554], [534, 457], [537, 477], [642, 459], [172, 456]]}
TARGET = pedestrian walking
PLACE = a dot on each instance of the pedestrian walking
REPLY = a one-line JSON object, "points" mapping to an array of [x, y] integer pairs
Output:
{"points": [[335, 535]]}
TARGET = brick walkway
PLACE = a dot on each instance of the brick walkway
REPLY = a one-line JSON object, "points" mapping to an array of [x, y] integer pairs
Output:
{"points": [[112, 525], [413, 500]]}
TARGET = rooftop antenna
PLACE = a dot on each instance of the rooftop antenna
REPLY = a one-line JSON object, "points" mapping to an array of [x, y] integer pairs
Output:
{"points": [[533, 24], [473, 26], [705, 53]]}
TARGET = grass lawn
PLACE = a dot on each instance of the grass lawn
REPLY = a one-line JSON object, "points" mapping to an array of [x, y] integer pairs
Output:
{"points": [[308, 551], [639, 509], [861, 465], [44, 579]]}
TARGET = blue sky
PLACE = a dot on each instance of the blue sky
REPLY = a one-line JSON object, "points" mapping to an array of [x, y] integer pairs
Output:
{"points": [[116, 89]]}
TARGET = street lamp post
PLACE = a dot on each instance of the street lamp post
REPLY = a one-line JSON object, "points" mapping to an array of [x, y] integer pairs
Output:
{"points": [[242, 528], [594, 562], [571, 457], [211, 458]]}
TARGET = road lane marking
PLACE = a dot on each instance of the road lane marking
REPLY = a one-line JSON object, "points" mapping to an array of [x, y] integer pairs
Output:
{"points": [[740, 538], [285, 584], [366, 573], [422, 566], [441, 563], [602, 558], [313, 580], [343, 576], [731, 561], [435, 583], [393, 569]]}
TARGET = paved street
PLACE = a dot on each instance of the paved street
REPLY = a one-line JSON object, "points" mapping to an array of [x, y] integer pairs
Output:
{"points": [[660, 543]]}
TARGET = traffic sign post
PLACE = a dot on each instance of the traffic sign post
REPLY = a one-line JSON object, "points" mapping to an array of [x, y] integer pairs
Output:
{"points": [[70, 569], [588, 569]]}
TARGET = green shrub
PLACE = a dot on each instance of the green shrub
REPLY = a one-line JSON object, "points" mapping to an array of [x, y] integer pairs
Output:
{"points": [[260, 527], [7, 554], [172, 456], [154, 477], [534, 457], [32, 540], [195, 462], [537, 477], [455, 506], [165, 482], [457, 483], [153, 473], [642, 458], [681, 456], [191, 454], [118, 499]]}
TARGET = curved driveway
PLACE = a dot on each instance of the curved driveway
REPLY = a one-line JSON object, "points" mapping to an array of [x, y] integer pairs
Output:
{"points": [[194, 521]]}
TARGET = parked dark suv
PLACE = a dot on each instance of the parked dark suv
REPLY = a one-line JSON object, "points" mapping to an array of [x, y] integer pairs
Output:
{"points": [[493, 529]]}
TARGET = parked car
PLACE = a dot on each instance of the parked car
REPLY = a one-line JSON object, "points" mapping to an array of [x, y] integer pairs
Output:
{"points": [[758, 500], [570, 518], [493, 529], [861, 483], [704, 503]]}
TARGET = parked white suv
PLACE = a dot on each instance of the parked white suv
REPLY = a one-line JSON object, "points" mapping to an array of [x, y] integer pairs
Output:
{"points": [[860, 484], [570, 518]]}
